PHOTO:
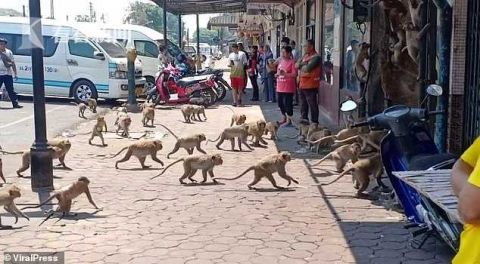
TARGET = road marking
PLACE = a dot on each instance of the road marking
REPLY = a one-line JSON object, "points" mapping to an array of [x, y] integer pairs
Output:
{"points": [[29, 117]]}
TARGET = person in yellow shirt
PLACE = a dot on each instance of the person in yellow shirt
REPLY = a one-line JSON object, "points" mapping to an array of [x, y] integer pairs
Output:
{"points": [[466, 185]]}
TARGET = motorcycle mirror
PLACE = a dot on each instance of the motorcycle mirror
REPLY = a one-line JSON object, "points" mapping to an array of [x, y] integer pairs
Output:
{"points": [[348, 105], [434, 90]]}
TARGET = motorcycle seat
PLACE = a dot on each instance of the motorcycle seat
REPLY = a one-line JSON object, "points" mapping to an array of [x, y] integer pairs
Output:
{"points": [[191, 80], [426, 161]]}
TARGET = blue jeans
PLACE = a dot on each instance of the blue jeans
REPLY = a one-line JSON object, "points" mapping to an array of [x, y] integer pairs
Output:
{"points": [[8, 81], [269, 87]]}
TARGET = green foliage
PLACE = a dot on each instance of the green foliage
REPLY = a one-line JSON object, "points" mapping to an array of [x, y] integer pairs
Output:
{"points": [[206, 36], [151, 15]]}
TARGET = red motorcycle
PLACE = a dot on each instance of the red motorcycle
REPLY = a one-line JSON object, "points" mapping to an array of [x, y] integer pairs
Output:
{"points": [[170, 89]]}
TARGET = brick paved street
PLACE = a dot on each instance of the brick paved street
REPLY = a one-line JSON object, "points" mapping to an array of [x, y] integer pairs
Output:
{"points": [[161, 221]]}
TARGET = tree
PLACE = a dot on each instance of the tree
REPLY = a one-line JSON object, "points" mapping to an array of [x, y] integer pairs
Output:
{"points": [[151, 15], [206, 36]]}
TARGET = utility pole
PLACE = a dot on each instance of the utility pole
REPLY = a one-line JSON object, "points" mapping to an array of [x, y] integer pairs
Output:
{"points": [[165, 24], [41, 153], [52, 10], [24, 12]]}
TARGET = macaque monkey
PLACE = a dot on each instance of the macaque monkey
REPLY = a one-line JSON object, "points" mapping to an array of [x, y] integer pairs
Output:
{"points": [[272, 128], [92, 105], [257, 129], [123, 123], [238, 119], [1, 171], [8, 195], [342, 155], [187, 111], [266, 167], [415, 7], [373, 139], [60, 149], [97, 130], [361, 171], [303, 126], [414, 38], [148, 112], [230, 133], [65, 196], [362, 56], [191, 164], [81, 110], [197, 110], [318, 135], [141, 149], [188, 143]]}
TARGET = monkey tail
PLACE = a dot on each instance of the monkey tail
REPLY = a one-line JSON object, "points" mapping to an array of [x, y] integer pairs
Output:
{"points": [[45, 202], [75, 103], [122, 150], [229, 108], [239, 176], [215, 139], [323, 159], [347, 140], [11, 153], [320, 141], [340, 176], [171, 164], [170, 131]]}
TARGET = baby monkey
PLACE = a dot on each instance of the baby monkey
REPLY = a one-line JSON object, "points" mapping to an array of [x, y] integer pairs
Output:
{"points": [[191, 164], [98, 129], [238, 119], [148, 112], [141, 149], [123, 123], [188, 143], [266, 167], [7, 200]]}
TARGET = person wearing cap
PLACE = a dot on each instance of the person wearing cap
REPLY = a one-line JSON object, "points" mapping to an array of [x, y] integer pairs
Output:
{"points": [[8, 72], [238, 64]]}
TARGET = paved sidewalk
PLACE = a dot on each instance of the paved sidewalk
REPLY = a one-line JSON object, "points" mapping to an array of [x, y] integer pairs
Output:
{"points": [[161, 221]]}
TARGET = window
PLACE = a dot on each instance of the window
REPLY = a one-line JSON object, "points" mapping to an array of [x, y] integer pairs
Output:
{"points": [[352, 39], [112, 48], [310, 23], [328, 40], [123, 42], [81, 48], [146, 48], [20, 44]]}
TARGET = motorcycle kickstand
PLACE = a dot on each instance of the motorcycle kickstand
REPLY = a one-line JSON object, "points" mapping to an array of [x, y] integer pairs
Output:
{"points": [[425, 237]]}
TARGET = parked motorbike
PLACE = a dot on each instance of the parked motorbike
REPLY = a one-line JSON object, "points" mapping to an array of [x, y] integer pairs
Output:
{"points": [[409, 147], [170, 89], [220, 84]]}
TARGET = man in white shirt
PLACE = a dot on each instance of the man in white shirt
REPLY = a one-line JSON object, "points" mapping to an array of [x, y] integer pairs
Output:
{"points": [[8, 72], [238, 65]]}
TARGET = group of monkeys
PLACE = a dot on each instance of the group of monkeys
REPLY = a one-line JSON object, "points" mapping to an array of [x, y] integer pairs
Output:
{"points": [[349, 145]]}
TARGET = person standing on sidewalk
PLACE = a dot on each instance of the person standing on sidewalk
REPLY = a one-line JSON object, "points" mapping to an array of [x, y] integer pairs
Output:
{"points": [[8, 72], [241, 48], [296, 57], [310, 70], [286, 84], [269, 75], [238, 63], [253, 72]]}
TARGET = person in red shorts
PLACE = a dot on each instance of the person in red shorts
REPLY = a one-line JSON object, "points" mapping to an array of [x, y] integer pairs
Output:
{"points": [[238, 64]]}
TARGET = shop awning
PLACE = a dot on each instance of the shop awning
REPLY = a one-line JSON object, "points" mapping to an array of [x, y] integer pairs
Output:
{"points": [[226, 20], [289, 3], [191, 7]]}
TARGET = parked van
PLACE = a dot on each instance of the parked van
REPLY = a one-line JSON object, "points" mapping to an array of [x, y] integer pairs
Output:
{"points": [[79, 63], [146, 41]]}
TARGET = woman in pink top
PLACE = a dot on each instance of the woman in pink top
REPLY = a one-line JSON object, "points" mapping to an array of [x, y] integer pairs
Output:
{"points": [[286, 84]]}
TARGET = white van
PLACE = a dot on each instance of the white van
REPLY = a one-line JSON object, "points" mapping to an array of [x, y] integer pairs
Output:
{"points": [[79, 63], [146, 41]]}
